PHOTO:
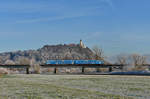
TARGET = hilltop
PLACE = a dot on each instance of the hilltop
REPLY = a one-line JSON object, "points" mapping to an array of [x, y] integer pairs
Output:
{"points": [[70, 51]]}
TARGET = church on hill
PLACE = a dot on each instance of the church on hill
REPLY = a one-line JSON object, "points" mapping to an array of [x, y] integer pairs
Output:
{"points": [[82, 44]]}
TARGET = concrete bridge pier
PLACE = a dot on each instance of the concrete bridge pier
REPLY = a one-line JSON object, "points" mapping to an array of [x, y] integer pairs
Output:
{"points": [[27, 71], [110, 69], [83, 69], [55, 70]]}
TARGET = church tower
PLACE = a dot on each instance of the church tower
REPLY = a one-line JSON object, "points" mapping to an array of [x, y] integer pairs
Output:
{"points": [[82, 45]]}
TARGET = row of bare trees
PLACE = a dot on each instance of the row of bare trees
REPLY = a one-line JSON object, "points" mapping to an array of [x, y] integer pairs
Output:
{"points": [[26, 61], [136, 60], [133, 59]]}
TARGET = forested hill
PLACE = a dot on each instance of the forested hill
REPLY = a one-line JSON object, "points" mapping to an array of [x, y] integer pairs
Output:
{"points": [[71, 51]]}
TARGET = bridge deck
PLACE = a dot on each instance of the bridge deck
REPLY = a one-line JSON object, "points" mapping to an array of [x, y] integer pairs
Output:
{"points": [[82, 65]]}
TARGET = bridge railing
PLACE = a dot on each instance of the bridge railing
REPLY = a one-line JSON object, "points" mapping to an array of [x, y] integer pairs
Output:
{"points": [[16, 66]]}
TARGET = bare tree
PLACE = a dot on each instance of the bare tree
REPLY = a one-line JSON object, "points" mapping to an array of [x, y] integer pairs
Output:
{"points": [[1, 60], [35, 66], [122, 59], [98, 53], [138, 60], [143, 60]]}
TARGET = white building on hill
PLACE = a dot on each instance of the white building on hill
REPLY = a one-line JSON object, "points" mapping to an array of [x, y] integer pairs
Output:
{"points": [[82, 45]]}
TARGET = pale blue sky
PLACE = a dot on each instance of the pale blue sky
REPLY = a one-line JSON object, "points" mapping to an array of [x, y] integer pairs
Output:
{"points": [[118, 26]]}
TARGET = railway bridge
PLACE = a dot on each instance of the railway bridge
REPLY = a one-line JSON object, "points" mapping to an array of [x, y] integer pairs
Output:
{"points": [[83, 66]]}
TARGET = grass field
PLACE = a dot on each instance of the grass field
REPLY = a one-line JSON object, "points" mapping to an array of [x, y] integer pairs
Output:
{"points": [[74, 87]]}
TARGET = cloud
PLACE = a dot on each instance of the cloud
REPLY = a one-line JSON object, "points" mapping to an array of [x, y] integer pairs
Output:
{"points": [[50, 18], [66, 15], [68, 12]]}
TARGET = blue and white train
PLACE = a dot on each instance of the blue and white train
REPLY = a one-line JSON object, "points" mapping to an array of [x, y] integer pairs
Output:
{"points": [[75, 62]]}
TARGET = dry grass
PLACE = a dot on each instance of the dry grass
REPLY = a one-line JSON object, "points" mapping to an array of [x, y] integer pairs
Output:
{"points": [[74, 87], [1, 75]]}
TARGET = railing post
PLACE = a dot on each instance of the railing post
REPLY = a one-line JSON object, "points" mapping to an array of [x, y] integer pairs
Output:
{"points": [[83, 69], [98, 70], [27, 70], [55, 70], [110, 69]]}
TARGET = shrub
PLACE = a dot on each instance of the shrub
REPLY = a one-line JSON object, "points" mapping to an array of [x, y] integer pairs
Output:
{"points": [[3, 71], [36, 69]]}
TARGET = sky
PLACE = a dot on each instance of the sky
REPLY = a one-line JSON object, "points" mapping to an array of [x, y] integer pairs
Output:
{"points": [[117, 26]]}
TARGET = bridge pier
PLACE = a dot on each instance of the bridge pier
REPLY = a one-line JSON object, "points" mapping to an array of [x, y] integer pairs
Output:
{"points": [[110, 69], [27, 71], [55, 70], [83, 69], [98, 70]]}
